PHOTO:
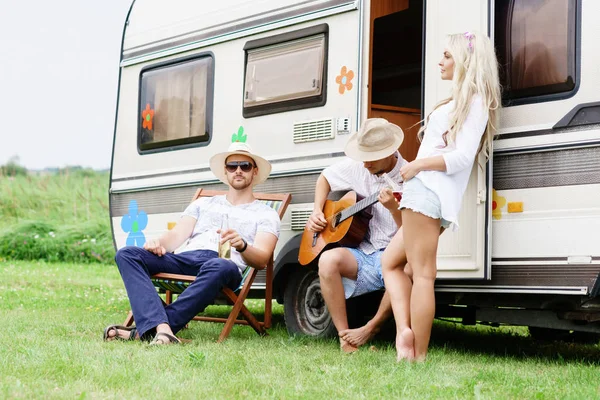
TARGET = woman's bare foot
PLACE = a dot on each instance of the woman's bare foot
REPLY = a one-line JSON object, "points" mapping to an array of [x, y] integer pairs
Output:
{"points": [[405, 345], [358, 336], [346, 347]]}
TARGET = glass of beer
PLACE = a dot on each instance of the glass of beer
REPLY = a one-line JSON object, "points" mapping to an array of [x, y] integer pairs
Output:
{"points": [[224, 248]]}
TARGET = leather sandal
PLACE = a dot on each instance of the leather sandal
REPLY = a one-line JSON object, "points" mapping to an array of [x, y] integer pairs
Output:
{"points": [[131, 329], [162, 337]]}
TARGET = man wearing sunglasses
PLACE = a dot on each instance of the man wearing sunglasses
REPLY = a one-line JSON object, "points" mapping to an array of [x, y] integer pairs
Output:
{"points": [[349, 272], [252, 231]]}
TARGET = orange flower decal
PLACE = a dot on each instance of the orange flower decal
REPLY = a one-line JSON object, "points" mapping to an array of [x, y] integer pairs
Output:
{"points": [[344, 79], [497, 203], [147, 117]]}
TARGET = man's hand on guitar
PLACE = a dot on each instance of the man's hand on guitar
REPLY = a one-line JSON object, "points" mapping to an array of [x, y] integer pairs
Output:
{"points": [[317, 221], [387, 199]]}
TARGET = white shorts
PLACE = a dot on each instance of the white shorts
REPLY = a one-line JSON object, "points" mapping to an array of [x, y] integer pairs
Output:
{"points": [[419, 198]]}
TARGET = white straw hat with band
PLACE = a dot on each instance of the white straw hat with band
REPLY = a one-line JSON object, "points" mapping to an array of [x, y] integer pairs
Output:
{"points": [[217, 163]]}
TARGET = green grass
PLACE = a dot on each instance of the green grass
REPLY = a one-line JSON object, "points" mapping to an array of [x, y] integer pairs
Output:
{"points": [[56, 217], [53, 315]]}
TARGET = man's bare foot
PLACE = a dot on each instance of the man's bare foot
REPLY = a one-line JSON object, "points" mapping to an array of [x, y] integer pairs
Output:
{"points": [[358, 336], [405, 345], [346, 347]]}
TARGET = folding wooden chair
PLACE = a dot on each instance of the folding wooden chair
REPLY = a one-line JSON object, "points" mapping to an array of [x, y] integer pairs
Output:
{"points": [[171, 284]]}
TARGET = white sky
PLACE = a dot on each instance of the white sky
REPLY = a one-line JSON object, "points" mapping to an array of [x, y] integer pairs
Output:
{"points": [[59, 68]]}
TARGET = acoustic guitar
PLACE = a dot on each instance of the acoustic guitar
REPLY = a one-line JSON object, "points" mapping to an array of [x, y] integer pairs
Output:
{"points": [[344, 226]]}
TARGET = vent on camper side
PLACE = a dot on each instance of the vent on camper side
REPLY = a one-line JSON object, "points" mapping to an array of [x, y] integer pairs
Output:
{"points": [[308, 131], [299, 219]]}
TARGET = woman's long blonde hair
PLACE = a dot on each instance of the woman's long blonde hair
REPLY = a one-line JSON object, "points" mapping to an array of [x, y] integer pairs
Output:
{"points": [[475, 72]]}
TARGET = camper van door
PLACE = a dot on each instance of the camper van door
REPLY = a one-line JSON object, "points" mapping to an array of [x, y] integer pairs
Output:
{"points": [[466, 253]]}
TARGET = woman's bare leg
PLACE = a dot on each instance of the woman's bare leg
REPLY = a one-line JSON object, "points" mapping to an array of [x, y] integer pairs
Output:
{"points": [[421, 241], [399, 285]]}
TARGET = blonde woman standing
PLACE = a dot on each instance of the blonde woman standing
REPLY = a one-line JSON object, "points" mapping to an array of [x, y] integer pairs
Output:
{"points": [[458, 129]]}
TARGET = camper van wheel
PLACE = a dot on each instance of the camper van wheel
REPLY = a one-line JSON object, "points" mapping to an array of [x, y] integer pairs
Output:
{"points": [[304, 308]]}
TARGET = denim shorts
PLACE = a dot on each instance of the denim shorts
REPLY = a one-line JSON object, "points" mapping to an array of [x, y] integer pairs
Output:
{"points": [[369, 277], [418, 198]]}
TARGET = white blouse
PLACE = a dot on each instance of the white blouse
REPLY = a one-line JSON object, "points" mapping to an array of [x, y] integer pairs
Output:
{"points": [[459, 155]]}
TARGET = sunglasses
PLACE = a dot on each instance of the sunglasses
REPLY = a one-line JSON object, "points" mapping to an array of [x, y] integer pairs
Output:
{"points": [[245, 166]]}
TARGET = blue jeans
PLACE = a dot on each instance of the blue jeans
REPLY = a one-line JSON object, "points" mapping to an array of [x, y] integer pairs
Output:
{"points": [[136, 265]]}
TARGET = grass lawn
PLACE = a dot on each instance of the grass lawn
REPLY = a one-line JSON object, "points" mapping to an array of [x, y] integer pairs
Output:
{"points": [[53, 316]]}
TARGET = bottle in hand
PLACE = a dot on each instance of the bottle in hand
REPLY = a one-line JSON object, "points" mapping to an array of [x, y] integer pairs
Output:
{"points": [[225, 248]]}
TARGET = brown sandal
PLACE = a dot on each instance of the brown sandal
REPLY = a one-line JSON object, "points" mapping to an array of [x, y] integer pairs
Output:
{"points": [[131, 329], [160, 337]]}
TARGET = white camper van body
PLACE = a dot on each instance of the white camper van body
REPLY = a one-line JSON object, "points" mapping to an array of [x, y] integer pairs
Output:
{"points": [[527, 252]]}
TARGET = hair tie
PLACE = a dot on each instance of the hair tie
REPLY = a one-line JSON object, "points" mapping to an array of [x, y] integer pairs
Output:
{"points": [[470, 37]]}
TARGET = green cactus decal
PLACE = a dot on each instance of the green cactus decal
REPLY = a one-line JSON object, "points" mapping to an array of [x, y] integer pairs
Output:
{"points": [[239, 136]]}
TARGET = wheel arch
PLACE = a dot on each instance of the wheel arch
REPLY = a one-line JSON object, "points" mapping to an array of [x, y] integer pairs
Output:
{"points": [[285, 264]]}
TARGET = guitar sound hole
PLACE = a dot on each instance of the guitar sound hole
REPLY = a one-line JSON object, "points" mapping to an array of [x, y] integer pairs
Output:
{"points": [[336, 220]]}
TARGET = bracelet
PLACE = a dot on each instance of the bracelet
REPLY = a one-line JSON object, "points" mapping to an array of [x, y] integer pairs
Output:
{"points": [[243, 248]]}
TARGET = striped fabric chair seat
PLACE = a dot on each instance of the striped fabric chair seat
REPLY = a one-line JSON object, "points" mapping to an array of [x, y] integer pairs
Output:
{"points": [[177, 286]]}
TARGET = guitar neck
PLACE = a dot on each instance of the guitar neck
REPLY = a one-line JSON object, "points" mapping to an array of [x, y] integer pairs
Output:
{"points": [[359, 206]]}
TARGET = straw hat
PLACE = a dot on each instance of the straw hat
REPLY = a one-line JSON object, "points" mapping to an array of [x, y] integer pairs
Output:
{"points": [[217, 163], [376, 139]]}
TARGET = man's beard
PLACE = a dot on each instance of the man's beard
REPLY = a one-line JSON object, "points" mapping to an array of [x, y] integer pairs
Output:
{"points": [[240, 184]]}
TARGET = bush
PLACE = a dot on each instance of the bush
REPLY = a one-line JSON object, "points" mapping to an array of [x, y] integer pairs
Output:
{"points": [[77, 171], [57, 217], [12, 168], [34, 240]]}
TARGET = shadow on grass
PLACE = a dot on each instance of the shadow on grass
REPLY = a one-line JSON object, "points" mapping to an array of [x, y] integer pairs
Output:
{"points": [[511, 342], [505, 341]]}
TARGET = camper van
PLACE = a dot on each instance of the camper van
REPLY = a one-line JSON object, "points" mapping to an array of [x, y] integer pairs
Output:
{"points": [[297, 77]]}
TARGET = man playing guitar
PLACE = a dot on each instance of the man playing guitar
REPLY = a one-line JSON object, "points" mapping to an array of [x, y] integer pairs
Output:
{"points": [[349, 272]]}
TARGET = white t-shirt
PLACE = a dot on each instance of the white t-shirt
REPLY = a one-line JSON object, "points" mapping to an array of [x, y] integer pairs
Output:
{"points": [[352, 175], [246, 219], [459, 155]]}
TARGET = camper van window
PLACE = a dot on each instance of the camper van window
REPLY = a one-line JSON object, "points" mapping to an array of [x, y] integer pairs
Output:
{"points": [[284, 76], [175, 105], [536, 46]]}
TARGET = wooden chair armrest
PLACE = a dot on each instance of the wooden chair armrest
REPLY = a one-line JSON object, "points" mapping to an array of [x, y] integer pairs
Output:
{"points": [[174, 277]]}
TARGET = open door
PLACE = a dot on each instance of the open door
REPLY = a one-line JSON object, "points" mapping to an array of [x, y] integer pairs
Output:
{"points": [[398, 30], [464, 254], [396, 67]]}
